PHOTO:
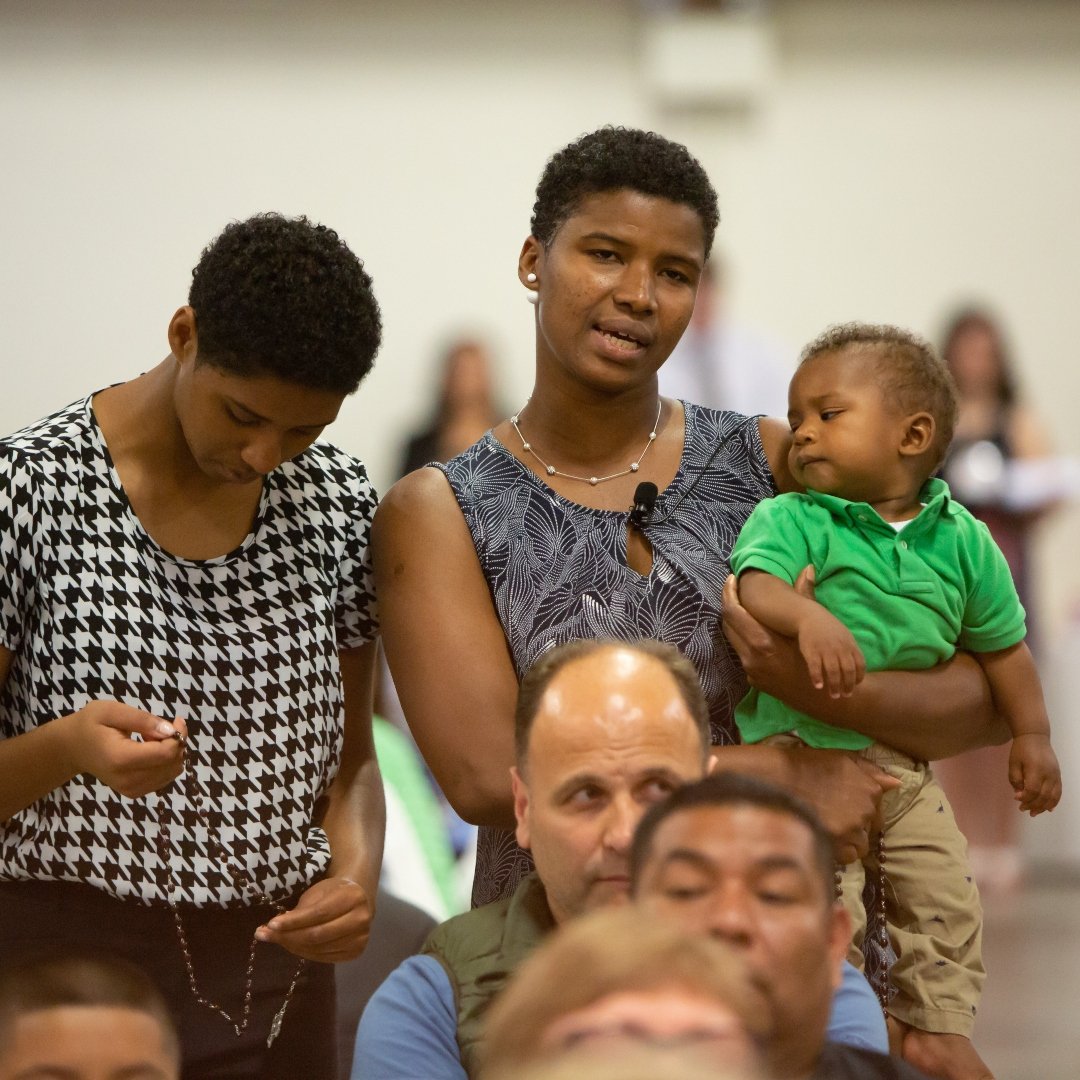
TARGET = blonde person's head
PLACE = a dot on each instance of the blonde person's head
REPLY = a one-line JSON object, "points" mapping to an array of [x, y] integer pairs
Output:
{"points": [[559, 999]]}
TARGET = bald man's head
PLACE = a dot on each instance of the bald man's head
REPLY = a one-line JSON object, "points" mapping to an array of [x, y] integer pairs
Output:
{"points": [[614, 662], [606, 732]]}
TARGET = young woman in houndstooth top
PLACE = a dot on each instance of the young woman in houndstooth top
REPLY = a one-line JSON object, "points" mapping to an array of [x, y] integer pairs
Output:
{"points": [[180, 559]]}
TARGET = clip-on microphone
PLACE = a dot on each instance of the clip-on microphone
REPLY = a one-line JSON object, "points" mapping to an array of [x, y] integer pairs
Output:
{"points": [[644, 500]]}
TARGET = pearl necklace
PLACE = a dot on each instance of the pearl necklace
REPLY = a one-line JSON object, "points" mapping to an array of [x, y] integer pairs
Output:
{"points": [[594, 480]]}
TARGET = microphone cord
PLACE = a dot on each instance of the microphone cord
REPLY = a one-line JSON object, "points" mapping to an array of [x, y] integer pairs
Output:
{"points": [[644, 521]]}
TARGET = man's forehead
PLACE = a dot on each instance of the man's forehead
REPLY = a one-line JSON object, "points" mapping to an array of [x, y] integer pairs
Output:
{"points": [[57, 1040], [637, 736], [611, 665], [733, 836]]}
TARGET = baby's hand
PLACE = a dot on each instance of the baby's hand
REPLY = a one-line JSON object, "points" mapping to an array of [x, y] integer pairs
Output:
{"points": [[833, 659], [1034, 773]]}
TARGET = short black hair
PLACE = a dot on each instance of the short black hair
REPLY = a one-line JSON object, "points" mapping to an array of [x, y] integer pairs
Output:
{"points": [[911, 373], [733, 789], [538, 678], [615, 159], [286, 297], [56, 980]]}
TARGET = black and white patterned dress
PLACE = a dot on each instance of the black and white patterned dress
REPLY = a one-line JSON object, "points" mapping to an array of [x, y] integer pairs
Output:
{"points": [[557, 570], [244, 647]]}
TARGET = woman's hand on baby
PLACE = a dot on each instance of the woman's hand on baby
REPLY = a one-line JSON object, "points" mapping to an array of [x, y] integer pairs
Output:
{"points": [[846, 792], [766, 656], [835, 662], [1034, 773]]}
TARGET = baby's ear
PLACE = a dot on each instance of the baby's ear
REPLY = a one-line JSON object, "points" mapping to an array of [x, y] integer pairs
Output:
{"points": [[918, 435]]}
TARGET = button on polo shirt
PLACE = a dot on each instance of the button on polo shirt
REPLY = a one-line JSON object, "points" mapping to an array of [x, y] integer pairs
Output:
{"points": [[910, 598]]}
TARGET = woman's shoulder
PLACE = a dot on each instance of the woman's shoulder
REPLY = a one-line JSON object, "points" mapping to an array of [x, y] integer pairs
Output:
{"points": [[419, 487], [54, 434], [483, 471], [755, 445], [324, 471], [422, 520], [416, 502], [49, 451], [705, 425]]}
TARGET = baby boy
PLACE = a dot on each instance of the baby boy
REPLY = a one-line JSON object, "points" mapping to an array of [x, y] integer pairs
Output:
{"points": [[904, 576]]}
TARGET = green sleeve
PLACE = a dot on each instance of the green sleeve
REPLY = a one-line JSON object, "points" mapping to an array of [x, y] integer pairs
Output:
{"points": [[993, 615], [774, 539]]}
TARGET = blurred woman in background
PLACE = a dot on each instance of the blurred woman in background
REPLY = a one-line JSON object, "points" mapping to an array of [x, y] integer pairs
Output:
{"points": [[464, 410], [995, 430]]}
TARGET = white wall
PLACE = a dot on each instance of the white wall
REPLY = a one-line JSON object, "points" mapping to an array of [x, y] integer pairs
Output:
{"points": [[417, 129], [904, 156]]}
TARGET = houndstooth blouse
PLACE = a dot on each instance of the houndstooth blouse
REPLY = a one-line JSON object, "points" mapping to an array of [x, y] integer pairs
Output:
{"points": [[244, 647]]}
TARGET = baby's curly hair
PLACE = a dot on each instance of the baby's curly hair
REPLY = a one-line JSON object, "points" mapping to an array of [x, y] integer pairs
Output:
{"points": [[286, 297], [910, 372], [615, 158]]}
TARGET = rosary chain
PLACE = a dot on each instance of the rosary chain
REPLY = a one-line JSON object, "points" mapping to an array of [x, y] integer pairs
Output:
{"points": [[882, 928], [245, 885], [879, 931]]}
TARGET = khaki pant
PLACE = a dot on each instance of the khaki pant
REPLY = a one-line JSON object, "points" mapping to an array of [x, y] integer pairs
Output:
{"points": [[932, 910]]}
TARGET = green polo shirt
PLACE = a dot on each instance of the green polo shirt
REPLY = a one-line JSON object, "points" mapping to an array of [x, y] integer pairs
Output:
{"points": [[910, 597]]}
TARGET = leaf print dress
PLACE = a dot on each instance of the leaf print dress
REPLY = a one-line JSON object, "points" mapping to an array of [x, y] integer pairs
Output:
{"points": [[558, 572]]}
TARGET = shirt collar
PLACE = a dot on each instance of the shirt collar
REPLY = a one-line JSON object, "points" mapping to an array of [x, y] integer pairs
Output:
{"points": [[935, 496]]}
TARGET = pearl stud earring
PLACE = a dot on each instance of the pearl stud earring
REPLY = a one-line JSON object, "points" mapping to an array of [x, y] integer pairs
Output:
{"points": [[532, 296]]}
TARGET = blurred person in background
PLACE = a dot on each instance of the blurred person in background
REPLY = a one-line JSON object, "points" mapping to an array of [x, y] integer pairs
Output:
{"points": [[995, 430], [84, 1018], [721, 363], [465, 408]]}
